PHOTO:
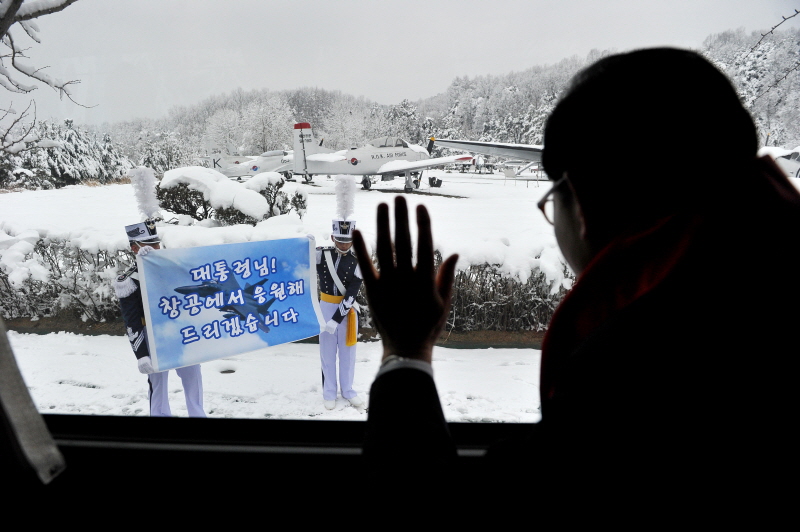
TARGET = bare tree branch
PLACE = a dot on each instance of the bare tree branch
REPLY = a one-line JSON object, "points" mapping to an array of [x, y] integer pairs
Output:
{"points": [[764, 35], [40, 9], [35, 73], [15, 142], [19, 134], [9, 17], [32, 29]]}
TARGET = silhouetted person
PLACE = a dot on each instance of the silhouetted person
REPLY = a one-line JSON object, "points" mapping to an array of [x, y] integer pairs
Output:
{"points": [[666, 371]]}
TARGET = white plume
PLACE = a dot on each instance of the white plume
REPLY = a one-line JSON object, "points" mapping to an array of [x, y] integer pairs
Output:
{"points": [[345, 188], [143, 181]]}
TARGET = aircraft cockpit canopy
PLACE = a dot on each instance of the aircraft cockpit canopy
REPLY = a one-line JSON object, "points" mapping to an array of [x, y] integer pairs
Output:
{"points": [[388, 142]]}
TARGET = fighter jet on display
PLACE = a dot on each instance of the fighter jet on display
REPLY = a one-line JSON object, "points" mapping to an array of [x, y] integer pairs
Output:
{"points": [[384, 156], [241, 168], [235, 301]]}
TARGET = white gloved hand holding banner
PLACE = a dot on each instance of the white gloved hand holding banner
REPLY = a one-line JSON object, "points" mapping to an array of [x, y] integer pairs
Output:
{"points": [[145, 366], [144, 250], [330, 327]]}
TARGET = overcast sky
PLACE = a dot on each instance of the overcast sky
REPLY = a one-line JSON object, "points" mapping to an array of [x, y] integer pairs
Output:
{"points": [[139, 58]]}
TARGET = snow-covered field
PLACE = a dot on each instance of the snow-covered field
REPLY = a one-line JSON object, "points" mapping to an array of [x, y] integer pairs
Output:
{"points": [[76, 374], [481, 217]]}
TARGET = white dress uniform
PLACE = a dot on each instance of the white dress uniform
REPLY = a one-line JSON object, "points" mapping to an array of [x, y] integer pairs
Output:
{"points": [[336, 306], [130, 300]]}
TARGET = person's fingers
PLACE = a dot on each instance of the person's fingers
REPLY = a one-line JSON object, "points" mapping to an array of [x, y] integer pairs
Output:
{"points": [[364, 260], [383, 248], [402, 236], [424, 244], [445, 278]]}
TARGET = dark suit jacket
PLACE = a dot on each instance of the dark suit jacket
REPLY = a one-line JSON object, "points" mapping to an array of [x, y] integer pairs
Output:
{"points": [[670, 364]]}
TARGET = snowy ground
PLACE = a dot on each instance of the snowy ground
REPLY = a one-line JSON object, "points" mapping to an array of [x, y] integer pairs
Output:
{"points": [[75, 374]]}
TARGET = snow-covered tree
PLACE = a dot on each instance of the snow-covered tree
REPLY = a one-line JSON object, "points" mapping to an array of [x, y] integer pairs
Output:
{"points": [[403, 121], [224, 132], [345, 126], [78, 156], [166, 150], [267, 125], [763, 68]]}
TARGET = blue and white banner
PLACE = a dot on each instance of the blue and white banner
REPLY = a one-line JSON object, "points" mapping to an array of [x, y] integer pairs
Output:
{"points": [[211, 302]]}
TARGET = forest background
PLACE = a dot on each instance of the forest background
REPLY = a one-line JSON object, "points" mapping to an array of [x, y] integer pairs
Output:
{"points": [[508, 108]]}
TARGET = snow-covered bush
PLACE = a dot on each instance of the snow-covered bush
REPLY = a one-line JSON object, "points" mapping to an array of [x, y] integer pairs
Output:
{"points": [[54, 276], [486, 299], [204, 193], [281, 198], [182, 200]]}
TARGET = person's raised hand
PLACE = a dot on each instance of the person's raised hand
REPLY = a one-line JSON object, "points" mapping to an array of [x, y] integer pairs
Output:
{"points": [[409, 304]]}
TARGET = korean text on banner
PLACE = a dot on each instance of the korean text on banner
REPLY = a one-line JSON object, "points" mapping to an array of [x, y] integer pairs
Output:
{"points": [[212, 302]]}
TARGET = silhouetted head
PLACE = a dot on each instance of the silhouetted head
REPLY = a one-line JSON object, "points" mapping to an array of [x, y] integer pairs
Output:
{"points": [[643, 134]]}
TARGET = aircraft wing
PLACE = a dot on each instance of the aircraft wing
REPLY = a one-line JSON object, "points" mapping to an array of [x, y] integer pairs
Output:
{"points": [[325, 157], [404, 166], [526, 152]]}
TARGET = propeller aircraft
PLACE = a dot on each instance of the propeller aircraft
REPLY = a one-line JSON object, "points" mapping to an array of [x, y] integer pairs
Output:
{"points": [[241, 168], [387, 157]]}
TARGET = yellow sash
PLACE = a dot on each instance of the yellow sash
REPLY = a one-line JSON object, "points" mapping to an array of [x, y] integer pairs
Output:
{"points": [[327, 298], [352, 327], [352, 318]]}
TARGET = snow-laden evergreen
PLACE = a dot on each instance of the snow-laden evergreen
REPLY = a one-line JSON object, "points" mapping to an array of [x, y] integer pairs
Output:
{"points": [[76, 156]]}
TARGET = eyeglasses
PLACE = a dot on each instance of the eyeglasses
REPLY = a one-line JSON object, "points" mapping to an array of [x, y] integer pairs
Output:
{"points": [[546, 203]]}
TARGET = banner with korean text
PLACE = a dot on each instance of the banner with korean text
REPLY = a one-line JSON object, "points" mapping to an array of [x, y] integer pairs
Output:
{"points": [[212, 302]]}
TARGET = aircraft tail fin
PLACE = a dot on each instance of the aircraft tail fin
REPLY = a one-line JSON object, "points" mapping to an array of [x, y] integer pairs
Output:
{"points": [[250, 288], [304, 146], [263, 309]]}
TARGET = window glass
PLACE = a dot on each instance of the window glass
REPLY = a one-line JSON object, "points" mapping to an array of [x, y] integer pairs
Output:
{"points": [[178, 99]]}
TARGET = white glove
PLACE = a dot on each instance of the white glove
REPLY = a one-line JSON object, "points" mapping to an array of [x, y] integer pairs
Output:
{"points": [[330, 327], [144, 250], [146, 366]]}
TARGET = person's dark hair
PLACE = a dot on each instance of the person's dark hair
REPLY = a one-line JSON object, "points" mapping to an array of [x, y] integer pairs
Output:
{"points": [[636, 131]]}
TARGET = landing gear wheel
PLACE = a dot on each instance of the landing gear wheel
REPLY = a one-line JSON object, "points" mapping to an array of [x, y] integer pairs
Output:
{"points": [[366, 183], [408, 190], [308, 178], [288, 176], [416, 183]]}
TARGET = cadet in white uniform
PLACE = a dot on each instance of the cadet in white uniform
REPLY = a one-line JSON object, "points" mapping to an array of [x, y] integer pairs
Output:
{"points": [[143, 239], [337, 302]]}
